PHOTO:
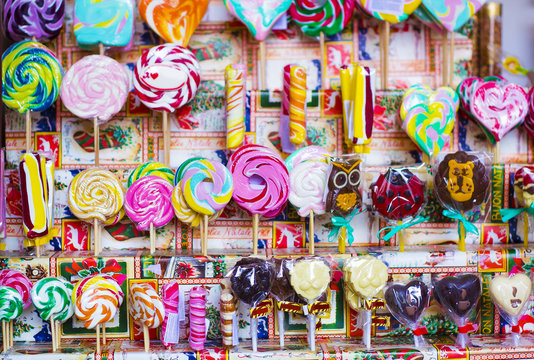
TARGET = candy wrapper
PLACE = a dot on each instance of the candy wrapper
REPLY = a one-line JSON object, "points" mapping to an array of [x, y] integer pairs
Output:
{"points": [[398, 196], [462, 185], [282, 289], [407, 302], [459, 296], [365, 277], [511, 295], [251, 280], [343, 196], [310, 277]]}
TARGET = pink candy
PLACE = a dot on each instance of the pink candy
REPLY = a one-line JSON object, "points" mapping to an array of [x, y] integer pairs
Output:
{"points": [[169, 296], [529, 120], [148, 201], [18, 281], [261, 180], [197, 317]]}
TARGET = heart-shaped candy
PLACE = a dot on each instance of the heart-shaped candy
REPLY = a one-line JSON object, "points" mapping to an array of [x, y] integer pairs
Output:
{"points": [[499, 107], [458, 294], [173, 20], [259, 16], [529, 120], [322, 16], [390, 11], [407, 302], [524, 186], [510, 294], [451, 15], [466, 86]]}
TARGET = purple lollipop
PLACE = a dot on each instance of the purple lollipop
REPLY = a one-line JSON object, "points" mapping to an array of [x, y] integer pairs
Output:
{"points": [[26, 19]]}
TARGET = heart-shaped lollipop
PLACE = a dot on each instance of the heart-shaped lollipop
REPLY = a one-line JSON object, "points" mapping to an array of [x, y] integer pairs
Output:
{"points": [[451, 15], [499, 107], [392, 12], [258, 16], [458, 294], [175, 21], [529, 119], [510, 294], [407, 302], [467, 86]]}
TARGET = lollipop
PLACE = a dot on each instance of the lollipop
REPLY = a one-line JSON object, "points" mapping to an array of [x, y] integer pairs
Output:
{"points": [[148, 204], [52, 299], [27, 19], [10, 309], [151, 168], [168, 333], [287, 145], [228, 318], [261, 183], [108, 22], [197, 317], [166, 78], [297, 105], [174, 21], [96, 195], [235, 79], [18, 281], [146, 308], [184, 213]]}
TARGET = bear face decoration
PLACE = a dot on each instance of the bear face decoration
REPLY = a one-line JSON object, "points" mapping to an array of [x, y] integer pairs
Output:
{"points": [[398, 194], [461, 181], [343, 195]]}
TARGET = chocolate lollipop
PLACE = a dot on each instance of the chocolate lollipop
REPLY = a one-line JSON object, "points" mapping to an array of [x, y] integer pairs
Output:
{"points": [[459, 296], [282, 289]]}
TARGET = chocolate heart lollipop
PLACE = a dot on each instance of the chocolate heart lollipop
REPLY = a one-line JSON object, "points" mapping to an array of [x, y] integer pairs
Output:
{"points": [[407, 302], [458, 294], [251, 280], [510, 294]]}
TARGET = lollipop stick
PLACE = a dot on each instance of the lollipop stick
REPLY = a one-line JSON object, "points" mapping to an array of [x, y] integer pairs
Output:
{"points": [[386, 55], [451, 59], [312, 233], [204, 239], [96, 132], [401, 238], [201, 228], [37, 250], [4, 336], [53, 331], [311, 331], [525, 229], [254, 333], [341, 240], [11, 333], [367, 329], [263, 63], [96, 230], [104, 334], [152, 239], [323, 62], [255, 220], [444, 59], [146, 338], [166, 139], [28, 131], [461, 244], [497, 152], [280, 315], [98, 339], [101, 48], [58, 333]]}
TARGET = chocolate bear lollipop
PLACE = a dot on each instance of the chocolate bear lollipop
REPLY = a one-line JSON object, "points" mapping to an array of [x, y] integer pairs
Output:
{"points": [[343, 193], [251, 280], [407, 302], [458, 294]]}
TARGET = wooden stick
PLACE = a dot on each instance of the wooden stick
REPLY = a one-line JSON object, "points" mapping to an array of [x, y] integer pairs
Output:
{"points": [[96, 132], [28, 131], [98, 339], [401, 238], [104, 339], [205, 238], [386, 54], [382, 56], [95, 228], [37, 251], [166, 139], [4, 336], [101, 48], [263, 62], [152, 239], [444, 59], [525, 229], [58, 333], [53, 331], [255, 221], [497, 152], [11, 333], [323, 61], [201, 228], [461, 243], [451, 59], [146, 338], [312, 233]]}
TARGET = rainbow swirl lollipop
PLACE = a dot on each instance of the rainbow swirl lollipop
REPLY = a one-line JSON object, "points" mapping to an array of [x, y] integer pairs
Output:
{"points": [[151, 168]]}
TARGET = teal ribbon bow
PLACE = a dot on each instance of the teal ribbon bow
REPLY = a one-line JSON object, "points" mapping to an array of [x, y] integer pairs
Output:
{"points": [[340, 223], [469, 226], [507, 214], [395, 229]]}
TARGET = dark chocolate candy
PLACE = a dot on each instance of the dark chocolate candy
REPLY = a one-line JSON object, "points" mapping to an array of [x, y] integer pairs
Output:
{"points": [[458, 294], [407, 302], [251, 280], [343, 193], [282, 289], [461, 181]]}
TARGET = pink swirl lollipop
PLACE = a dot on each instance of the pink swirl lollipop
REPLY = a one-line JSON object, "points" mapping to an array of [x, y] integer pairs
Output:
{"points": [[18, 281], [166, 77], [95, 86], [261, 180], [169, 296], [197, 317], [148, 201]]}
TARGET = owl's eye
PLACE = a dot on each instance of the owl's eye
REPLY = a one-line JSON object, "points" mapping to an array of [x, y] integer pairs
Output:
{"points": [[354, 177], [390, 193], [340, 180]]}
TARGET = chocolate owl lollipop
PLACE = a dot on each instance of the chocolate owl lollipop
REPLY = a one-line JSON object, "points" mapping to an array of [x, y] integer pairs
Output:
{"points": [[459, 296]]}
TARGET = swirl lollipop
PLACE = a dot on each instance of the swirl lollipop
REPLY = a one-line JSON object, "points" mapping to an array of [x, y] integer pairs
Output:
{"points": [[146, 308], [148, 205], [31, 77], [166, 78], [184, 213], [11, 305], [18, 281], [151, 168], [52, 299], [95, 88], [261, 183], [30, 19], [96, 195], [207, 187]]}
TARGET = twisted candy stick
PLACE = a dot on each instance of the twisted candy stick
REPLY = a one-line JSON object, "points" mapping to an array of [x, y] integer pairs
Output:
{"points": [[148, 201], [26, 19], [227, 317], [31, 77], [251, 163], [197, 317], [297, 105], [145, 305], [184, 213], [151, 168], [52, 297], [95, 194], [11, 303], [235, 77], [166, 77], [169, 326], [95, 86], [18, 281], [315, 17], [207, 186]]}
